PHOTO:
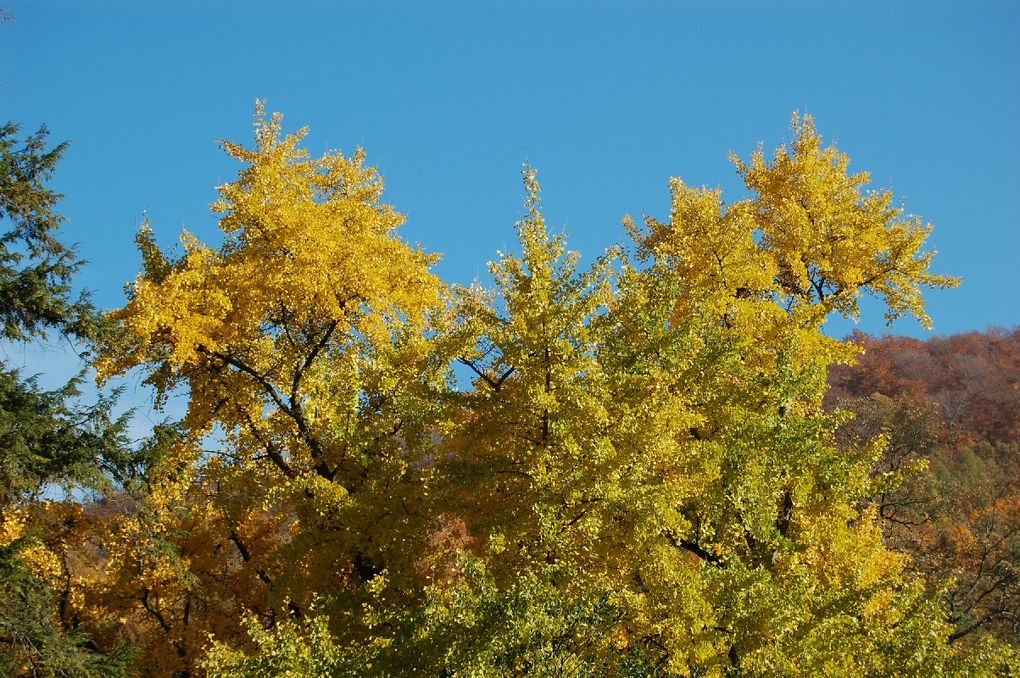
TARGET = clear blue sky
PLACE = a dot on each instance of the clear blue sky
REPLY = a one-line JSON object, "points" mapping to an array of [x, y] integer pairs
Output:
{"points": [[606, 100]]}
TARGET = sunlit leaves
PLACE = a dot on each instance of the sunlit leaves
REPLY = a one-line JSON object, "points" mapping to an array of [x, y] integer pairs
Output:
{"points": [[638, 479]]}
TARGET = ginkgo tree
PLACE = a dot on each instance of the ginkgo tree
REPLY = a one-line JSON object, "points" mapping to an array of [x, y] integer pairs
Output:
{"points": [[303, 343], [639, 480]]}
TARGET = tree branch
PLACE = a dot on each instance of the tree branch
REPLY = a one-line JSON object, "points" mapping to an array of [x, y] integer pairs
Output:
{"points": [[696, 549]]}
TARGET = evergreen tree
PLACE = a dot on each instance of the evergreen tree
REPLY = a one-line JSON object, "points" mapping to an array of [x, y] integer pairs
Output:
{"points": [[49, 442]]}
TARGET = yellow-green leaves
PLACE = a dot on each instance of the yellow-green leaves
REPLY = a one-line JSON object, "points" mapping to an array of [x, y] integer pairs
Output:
{"points": [[310, 277], [830, 238], [639, 478], [304, 342]]}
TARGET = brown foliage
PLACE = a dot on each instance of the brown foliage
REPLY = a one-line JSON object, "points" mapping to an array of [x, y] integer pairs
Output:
{"points": [[950, 408]]}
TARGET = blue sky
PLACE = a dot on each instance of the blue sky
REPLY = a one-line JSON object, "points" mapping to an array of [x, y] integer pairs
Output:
{"points": [[607, 100]]}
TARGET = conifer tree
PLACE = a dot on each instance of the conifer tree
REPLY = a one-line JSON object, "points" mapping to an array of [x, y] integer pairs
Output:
{"points": [[49, 440]]}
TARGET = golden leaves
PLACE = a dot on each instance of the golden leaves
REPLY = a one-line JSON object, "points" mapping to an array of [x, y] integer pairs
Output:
{"points": [[649, 436]]}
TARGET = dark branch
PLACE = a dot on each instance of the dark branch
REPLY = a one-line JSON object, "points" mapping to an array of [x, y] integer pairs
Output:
{"points": [[154, 611], [309, 359], [696, 549], [293, 409], [246, 557], [494, 384]]}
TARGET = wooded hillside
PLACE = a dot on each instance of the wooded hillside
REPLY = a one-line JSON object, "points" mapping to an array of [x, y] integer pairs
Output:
{"points": [[953, 404]]}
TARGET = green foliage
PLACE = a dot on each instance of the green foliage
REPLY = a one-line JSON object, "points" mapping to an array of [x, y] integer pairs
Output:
{"points": [[32, 638], [35, 267], [468, 626], [49, 441]]}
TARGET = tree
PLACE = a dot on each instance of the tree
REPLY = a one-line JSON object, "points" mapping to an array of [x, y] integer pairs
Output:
{"points": [[48, 439], [641, 478], [304, 340]]}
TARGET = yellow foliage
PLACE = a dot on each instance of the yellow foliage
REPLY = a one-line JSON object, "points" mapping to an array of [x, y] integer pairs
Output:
{"points": [[640, 476]]}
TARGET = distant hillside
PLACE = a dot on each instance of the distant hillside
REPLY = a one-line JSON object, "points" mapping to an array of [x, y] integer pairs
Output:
{"points": [[950, 410], [974, 378]]}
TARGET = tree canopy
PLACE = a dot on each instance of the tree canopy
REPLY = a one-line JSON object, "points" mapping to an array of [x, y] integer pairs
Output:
{"points": [[623, 469]]}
